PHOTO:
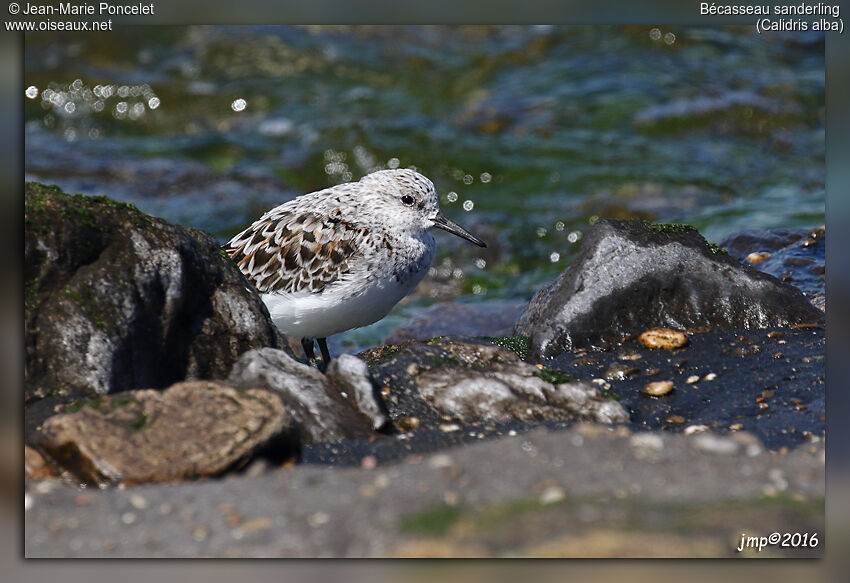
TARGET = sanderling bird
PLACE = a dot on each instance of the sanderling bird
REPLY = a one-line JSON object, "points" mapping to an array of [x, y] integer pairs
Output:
{"points": [[342, 257]]}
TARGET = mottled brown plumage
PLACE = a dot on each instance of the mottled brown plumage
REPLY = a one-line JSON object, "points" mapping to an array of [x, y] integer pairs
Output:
{"points": [[299, 252]]}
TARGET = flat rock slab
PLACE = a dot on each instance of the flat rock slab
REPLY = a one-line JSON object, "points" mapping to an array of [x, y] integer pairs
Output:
{"points": [[767, 382], [631, 276], [463, 380], [190, 430], [118, 300], [588, 491]]}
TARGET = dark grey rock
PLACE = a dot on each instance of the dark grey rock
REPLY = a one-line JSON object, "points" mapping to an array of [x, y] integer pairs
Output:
{"points": [[467, 381], [118, 300], [631, 276], [328, 408], [190, 430]]}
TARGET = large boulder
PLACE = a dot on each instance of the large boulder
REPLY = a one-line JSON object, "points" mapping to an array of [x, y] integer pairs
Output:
{"points": [[118, 300], [631, 276], [190, 430]]}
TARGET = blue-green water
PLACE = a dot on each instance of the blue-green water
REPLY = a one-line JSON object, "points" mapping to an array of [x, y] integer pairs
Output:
{"points": [[529, 133]]}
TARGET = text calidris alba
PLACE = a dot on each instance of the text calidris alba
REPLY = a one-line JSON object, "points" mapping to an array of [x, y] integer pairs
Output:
{"points": [[342, 257]]}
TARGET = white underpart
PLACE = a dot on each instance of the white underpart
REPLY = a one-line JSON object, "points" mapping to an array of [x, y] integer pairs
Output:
{"points": [[362, 298]]}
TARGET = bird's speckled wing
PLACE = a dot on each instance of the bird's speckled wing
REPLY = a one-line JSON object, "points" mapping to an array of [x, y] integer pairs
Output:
{"points": [[291, 252]]}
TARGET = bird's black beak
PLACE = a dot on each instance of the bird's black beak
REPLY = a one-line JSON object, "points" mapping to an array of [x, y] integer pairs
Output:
{"points": [[454, 228]]}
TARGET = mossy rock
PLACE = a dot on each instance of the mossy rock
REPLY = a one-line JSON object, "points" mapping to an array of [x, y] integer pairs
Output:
{"points": [[116, 300]]}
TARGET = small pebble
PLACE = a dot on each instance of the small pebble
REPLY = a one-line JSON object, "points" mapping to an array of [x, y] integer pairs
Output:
{"points": [[251, 526], [692, 429], [128, 518], [318, 519], [757, 257], [709, 377], [552, 494], [715, 444], [440, 460], [408, 423], [675, 419], [658, 388], [663, 338], [634, 356], [645, 440], [619, 372], [692, 379], [449, 427], [736, 427], [369, 462]]}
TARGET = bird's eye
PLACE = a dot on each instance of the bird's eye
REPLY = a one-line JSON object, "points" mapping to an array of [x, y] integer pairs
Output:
{"points": [[407, 199]]}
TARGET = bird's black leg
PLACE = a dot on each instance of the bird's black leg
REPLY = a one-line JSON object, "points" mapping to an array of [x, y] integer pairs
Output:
{"points": [[323, 346], [307, 345]]}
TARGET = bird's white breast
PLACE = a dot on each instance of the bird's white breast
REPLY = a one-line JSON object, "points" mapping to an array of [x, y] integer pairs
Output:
{"points": [[376, 284]]}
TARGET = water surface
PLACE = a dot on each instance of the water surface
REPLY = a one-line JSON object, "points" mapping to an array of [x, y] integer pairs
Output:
{"points": [[529, 133]]}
